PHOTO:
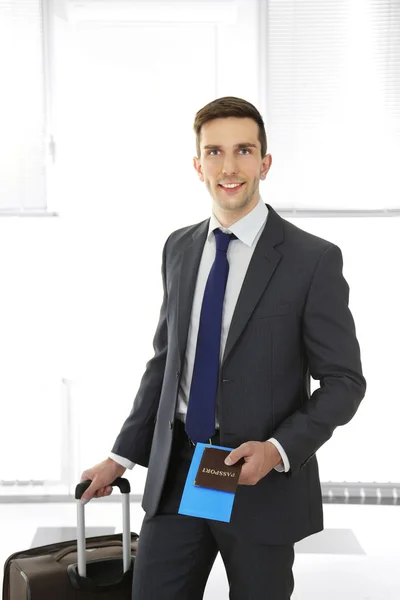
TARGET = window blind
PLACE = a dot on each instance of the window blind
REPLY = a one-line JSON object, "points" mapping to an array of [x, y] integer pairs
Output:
{"points": [[22, 107], [332, 97], [385, 17]]}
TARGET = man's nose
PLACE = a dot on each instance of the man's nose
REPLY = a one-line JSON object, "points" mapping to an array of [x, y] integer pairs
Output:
{"points": [[229, 166]]}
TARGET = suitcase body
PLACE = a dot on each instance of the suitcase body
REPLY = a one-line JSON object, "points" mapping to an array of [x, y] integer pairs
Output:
{"points": [[99, 567]]}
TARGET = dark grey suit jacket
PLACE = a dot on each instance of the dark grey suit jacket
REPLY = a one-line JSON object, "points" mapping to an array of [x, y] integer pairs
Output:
{"points": [[291, 321]]}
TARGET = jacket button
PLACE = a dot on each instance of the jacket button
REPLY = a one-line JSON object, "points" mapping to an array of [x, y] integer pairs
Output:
{"points": [[171, 424], [178, 374]]}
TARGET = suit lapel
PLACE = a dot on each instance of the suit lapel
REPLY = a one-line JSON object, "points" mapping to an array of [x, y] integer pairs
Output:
{"points": [[262, 265], [187, 283]]}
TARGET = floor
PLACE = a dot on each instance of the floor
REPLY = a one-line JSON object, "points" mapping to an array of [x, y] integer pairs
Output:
{"points": [[356, 557]]}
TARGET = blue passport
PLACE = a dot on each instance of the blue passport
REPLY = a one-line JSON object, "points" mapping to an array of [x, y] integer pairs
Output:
{"points": [[204, 502]]}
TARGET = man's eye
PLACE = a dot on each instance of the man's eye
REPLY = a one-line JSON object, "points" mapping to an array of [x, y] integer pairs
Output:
{"points": [[241, 149]]}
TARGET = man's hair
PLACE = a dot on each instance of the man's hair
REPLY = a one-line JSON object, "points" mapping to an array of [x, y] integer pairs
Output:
{"points": [[229, 106]]}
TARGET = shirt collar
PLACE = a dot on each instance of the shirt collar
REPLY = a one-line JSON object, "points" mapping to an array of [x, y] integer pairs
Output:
{"points": [[247, 227]]}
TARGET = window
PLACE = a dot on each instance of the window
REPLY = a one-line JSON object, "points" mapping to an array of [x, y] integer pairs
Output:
{"points": [[333, 103], [23, 107]]}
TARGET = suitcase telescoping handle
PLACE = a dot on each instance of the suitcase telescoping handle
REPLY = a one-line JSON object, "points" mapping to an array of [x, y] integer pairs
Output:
{"points": [[125, 488]]}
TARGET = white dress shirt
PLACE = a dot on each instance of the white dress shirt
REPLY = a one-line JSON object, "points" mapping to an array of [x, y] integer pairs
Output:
{"points": [[248, 231]]}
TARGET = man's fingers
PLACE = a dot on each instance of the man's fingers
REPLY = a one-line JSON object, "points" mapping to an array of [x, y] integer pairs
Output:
{"points": [[100, 493], [88, 495], [248, 474], [240, 452], [104, 491], [92, 492]]}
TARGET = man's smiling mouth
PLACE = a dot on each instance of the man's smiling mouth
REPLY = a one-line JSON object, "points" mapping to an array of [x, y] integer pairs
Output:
{"points": [[231, 187]]}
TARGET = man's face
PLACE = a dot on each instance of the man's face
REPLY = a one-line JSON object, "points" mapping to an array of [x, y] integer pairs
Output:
{"points": [[231, 153]]}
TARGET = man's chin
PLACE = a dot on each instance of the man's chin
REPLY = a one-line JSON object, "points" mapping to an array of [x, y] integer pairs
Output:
{"points": [[231, 203]]}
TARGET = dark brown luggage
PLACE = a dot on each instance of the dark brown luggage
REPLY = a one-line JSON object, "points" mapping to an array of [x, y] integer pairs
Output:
{"points": [[79, 569]]}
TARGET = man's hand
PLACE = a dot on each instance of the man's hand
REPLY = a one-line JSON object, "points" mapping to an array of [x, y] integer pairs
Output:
{"points": [[259, 457], [101, 476]]}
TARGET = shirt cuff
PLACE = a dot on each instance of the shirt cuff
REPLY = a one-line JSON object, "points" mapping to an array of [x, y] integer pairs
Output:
{"points": [[286, 464], [128, 464]]}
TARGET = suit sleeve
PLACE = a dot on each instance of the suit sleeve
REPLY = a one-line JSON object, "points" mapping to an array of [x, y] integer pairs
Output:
{"points": [[333, 355], [136, 436]]}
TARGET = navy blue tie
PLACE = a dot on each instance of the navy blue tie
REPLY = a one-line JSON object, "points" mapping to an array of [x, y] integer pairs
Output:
{"points": [[200, 417]]}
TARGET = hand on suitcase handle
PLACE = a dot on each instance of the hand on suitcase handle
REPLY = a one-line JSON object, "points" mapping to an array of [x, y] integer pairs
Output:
{"points": [[79, 578], [122, 483], [100, 476]]}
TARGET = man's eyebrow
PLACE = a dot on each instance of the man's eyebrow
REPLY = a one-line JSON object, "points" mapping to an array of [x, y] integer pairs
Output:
{"points": [[241, 145]]}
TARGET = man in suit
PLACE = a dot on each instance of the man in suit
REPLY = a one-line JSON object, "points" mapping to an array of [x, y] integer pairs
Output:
{"points": [[283, 317]]}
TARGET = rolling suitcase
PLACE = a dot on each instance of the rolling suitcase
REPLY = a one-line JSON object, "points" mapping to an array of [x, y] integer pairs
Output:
{"points": [[78, 569]]}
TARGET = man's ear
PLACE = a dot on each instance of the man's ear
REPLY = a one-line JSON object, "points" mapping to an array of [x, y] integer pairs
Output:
{"points": [[198, 167], [266, 165]]}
